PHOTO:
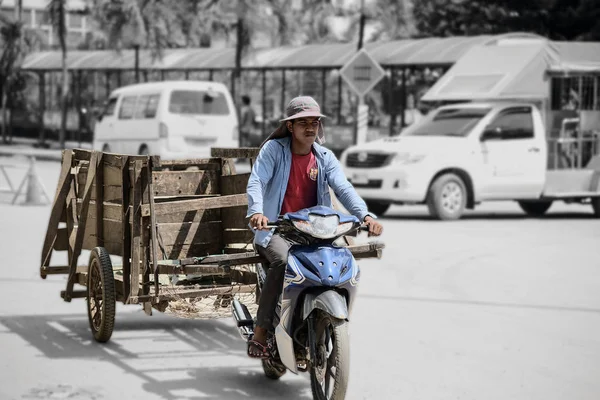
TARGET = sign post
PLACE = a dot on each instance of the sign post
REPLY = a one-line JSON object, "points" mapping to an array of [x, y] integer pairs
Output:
{"points": [[362, 73]]}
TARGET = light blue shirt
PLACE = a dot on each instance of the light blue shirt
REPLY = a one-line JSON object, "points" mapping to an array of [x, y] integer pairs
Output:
{"points": [[269, 179]]}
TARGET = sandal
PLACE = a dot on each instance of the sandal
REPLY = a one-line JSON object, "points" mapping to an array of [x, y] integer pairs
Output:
{"points": [[262, 353]]}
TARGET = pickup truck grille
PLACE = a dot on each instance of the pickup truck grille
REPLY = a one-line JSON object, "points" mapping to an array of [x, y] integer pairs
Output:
{"points": [[373, 160]]}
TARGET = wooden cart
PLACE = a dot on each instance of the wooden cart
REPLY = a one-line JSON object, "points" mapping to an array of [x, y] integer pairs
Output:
{"points": [[164, 219]]}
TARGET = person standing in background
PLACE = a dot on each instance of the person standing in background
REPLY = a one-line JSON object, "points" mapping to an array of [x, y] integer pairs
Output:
{"points": [[249, 135]]}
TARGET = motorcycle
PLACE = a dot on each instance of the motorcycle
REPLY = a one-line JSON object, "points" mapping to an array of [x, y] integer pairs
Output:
{"points": [[310, 328]]}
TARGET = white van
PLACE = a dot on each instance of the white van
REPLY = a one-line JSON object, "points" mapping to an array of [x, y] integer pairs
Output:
{"points": [[171, 119]]}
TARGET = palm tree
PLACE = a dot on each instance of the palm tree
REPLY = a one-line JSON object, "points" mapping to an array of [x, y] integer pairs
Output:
{"points": [[57, 12]]}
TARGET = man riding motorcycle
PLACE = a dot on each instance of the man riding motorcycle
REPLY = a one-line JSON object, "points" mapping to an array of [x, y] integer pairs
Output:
{"points": [[292, 172]]}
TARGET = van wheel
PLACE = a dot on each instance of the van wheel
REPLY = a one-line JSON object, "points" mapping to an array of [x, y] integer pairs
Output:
{"points": [[106, 148], [535, 208], [596, 206], [447, 197], [377, 207], [144, 151]]}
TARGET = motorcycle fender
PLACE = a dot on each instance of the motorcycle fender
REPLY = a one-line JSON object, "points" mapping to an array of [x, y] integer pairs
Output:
{"points": [[329, 301]]}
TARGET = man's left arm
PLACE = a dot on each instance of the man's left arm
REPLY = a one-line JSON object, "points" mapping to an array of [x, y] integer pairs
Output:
{"points": [[344, 190], [347, 195]]}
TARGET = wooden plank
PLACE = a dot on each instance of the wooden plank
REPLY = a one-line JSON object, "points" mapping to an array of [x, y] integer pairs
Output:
{"points": [[227, 166], [184, 183], [235, 217], [126, 226], [112, 231], [99, 211], [136, 233], [115, 160], [58, 208], [110, 211], [242, 152], [81, 154], [192, 269], [82, 221], [111, 194], [62, 240], [189, 232], [213, 214], [234, 184], [196, 249], [213, 164], [191, 293], [189, 205], [153, 226], [77, 294], [64, 269], [245, 236]]}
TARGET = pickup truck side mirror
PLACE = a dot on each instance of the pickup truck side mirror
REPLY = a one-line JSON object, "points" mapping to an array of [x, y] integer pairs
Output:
{"points": [[491, 133]]}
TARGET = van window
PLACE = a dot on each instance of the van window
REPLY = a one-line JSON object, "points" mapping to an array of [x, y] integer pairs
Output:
{"points": [[146, 106], [198, 102], [109, 108], [127, 107], [515, 123]]}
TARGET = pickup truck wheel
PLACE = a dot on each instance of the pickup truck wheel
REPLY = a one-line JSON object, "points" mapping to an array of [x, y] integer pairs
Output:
{"points": [[377, 207], [596, 206], [535, 208], [447, 197]]}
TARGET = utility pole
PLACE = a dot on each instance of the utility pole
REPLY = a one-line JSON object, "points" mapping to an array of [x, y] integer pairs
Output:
{"points": [[362, 110], [361, 31]]}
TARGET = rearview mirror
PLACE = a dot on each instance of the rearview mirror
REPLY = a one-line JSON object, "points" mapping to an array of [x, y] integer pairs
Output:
{"points": [[491, 133]]}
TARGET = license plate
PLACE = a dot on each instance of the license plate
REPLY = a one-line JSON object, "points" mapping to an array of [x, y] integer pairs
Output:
{"points": [[360, 179]]}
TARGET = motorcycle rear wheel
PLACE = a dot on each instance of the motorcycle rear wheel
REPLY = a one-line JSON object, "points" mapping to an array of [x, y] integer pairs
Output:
{"points": [[333, 359]]}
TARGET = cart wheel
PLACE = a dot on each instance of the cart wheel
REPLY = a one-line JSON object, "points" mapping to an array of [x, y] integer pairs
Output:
{"points": [[101, 300]]}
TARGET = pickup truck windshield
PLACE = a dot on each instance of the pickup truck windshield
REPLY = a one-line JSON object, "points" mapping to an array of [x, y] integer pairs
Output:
{"points": [[449, 122]]}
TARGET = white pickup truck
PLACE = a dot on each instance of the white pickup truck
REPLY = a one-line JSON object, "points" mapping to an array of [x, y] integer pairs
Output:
{"points": [[463, 154]]}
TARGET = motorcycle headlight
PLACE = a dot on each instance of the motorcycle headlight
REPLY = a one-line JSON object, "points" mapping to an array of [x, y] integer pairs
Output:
{"points": [[323, 227], [407, 158]]}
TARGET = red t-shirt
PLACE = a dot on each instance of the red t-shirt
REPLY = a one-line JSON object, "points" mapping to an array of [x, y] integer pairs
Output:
{"points": [[301, 190]]}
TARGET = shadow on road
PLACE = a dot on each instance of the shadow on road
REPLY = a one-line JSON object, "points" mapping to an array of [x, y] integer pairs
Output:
{"points": [[171, 355], [483, 303], [494, 216]]}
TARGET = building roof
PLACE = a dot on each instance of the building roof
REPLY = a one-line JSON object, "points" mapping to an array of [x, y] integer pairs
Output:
{"points": [[399, 53]]}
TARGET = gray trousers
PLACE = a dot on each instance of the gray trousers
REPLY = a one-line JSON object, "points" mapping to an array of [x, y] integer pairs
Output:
{"points": [[276, 253]]}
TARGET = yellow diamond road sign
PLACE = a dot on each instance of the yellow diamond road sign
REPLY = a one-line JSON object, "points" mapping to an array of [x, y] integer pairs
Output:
{"points": [[362, 72]]}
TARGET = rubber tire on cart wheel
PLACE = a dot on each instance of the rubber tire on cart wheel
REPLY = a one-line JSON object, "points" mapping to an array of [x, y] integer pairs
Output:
{"points": [[447, 197], [535, 208], [376, 207], [596, 206], [101, 300], [271, 371]]}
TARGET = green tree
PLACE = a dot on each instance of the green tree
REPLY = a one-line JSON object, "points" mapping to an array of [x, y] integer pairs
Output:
{"points": [[555, 19], [393, 19]]}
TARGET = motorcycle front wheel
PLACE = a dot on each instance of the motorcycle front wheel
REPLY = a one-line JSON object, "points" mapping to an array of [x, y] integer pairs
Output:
{"points": [[329, 371]]}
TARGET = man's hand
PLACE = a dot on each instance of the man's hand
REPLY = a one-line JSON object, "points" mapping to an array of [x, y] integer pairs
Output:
{"points": [[259, 221], [375, 228]]}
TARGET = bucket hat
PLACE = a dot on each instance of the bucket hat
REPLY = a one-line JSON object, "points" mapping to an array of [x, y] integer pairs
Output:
{"points": [[299, 107]]}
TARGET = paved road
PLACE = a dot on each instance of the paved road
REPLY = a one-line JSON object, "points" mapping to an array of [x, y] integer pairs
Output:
{"points": [[495, 306]]}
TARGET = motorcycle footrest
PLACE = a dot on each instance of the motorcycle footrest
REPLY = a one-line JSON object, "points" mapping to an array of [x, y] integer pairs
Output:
{"points": [[245, 322]]}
